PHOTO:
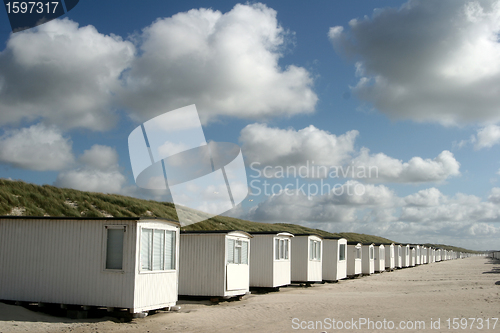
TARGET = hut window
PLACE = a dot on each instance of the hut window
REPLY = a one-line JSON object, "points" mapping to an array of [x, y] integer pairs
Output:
{"points": [[157, 250], [342, 252], [237, 252], [371, 252], [281, 249], [358, 253], [114, 247], [315, 250]]}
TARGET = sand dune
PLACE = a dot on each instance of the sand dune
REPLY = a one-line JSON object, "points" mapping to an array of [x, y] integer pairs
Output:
{"points": [[413, 297]]}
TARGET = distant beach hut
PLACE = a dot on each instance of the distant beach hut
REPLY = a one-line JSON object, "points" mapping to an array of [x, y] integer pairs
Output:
{"points": [[354, 259], [398, 256], [418, 256], [379, 257], [368, 259], [413, 256], [214, 263], [438, 255], [270, 263], [334, 259], [423, 254], [430, 255], [389, 257], [405, 252], [307, 253], [126, 263]]}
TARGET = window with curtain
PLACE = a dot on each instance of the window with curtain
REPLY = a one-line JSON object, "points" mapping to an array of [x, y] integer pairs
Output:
{"points": [[371, 252], [358, 253], [114, 247], [157, 249]]}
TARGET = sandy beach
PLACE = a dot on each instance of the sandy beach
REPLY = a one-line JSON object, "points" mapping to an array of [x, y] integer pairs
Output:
{"points": [[425, 298]]}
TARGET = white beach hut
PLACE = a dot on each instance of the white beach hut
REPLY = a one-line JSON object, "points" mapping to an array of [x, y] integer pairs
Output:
{"points": [[354, 259], [214, 263], [125, 263], [413, 256], [438, 255], [307, 253], [430, 255], [405, 252], [334, 259], [418, 256], [423, 254], [398, 256], [270, 263], [389, 257], [368, 260], [379, 257]]}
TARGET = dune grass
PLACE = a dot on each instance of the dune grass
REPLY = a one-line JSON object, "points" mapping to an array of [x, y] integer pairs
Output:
{"points": [[20, 198]]}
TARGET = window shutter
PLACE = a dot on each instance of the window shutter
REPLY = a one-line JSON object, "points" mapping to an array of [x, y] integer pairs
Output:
{"points": [[170, 250], [146, 240], [287, 244], [158, 249], [230, 251], [114, 248], [311, 250], [318, 250], [244, 253], [276, 248]]}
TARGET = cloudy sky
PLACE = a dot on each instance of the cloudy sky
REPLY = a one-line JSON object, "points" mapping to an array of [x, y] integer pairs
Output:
{"points": [[378, 117]]}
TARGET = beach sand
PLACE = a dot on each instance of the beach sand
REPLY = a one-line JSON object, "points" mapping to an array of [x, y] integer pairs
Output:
{"points": [[464, 288]]}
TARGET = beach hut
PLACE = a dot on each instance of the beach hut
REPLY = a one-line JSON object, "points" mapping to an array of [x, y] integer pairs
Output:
{"points": [[334, 259], [389, 257], [423, 253], [368, 259], [413, 256], [418, 256], [307, 251], [430, 255], [354, 259], [438, 255], [270, 264], [379, 257], [405, 255], [214, 263], [126, 263], [398, 256]]}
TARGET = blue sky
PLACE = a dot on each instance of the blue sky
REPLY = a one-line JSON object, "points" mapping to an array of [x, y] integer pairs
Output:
{"points": [[410, 88]]}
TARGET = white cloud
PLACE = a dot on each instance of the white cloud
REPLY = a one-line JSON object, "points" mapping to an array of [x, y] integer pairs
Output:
{"points": [[416, 170], [487, 137], [283, 147], [226, 64], [286, 151], [428, 61], [63, 74], [99, 172], [38, 148], [340, 205]]}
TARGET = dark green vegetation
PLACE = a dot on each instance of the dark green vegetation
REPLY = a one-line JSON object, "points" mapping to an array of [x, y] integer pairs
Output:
{"points": [[20, 198]]}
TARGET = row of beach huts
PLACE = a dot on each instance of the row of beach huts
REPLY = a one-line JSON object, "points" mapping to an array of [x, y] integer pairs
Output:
{"points": [[143, 264]]}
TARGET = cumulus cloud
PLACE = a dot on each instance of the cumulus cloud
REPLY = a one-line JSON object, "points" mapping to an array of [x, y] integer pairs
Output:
{"points": [[416, 170], [283, 147], [339, 205], [282, 152], [39, 147], [487, 137], [428, 61], [63, 74], [99, 172], [225, 63]]}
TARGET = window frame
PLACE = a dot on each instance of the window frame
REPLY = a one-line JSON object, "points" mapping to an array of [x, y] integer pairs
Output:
{"points": [[342, 246], [238, 244], [281, 249], [174, 253], [315, 250], [105, 248]]}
